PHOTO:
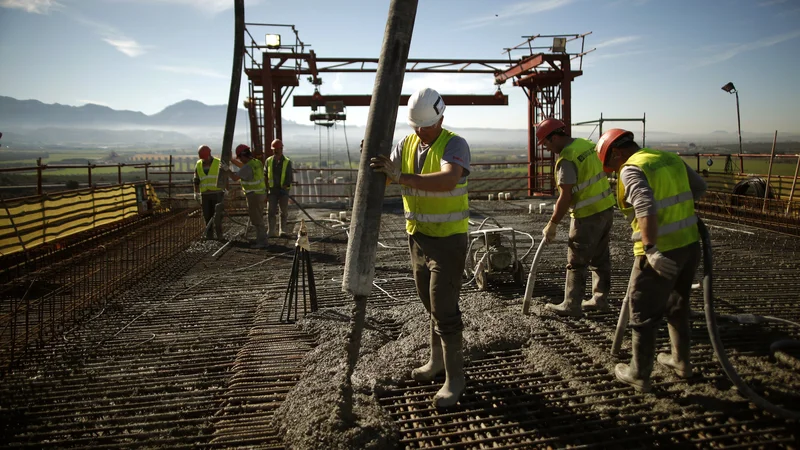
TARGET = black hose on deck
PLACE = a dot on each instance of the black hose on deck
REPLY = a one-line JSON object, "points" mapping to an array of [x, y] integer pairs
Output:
{"points": [[716, 342]]}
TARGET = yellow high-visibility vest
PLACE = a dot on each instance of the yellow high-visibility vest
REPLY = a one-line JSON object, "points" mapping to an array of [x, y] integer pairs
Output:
{"points": [[283, 171], [208, 182], [257, 185], [667, 176], [435, 214], [592, 193]]}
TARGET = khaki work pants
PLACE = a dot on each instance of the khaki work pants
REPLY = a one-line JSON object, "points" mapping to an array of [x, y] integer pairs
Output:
{"points": [[277, 199], [588, 249], [438, 265], [255, 209]]}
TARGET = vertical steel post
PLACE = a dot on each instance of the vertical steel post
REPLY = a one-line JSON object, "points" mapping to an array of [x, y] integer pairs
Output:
{"points": [[794, 182], [359, 270], [769, 172]]}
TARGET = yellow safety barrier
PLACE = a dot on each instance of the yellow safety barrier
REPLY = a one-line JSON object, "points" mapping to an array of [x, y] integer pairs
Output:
{"points": [[32, 221]]}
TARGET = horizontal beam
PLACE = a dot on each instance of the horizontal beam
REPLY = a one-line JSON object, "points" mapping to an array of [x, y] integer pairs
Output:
{"points": [[589, 122], [365, 100], [531, 62], [548, 78]]}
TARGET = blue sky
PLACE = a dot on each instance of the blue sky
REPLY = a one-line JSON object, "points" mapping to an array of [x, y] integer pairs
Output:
{"points": [[667, 58]]}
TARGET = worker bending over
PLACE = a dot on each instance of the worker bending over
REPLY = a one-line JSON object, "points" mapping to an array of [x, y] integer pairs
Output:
{"points": [[251, 177], [656, 192], [584, 191], [432, 166]]}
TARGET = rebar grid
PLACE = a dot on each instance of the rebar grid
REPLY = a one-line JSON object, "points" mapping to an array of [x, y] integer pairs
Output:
{"points": [[194, 355], [56, 293]]}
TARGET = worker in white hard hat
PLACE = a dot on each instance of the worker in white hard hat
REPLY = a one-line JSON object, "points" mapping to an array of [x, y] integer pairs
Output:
{"points": [[279, 181], [205, 185], [656, 191], [584, 193], [432, 165]]}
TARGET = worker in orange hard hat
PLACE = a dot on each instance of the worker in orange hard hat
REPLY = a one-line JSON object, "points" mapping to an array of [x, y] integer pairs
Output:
{"points": [[656, 191], [584, 192], [279, 181], [251, 177], [205, 186], [431, 165]]}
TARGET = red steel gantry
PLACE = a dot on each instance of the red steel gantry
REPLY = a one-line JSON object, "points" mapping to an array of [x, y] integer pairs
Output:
{"points": [[274, 71]]}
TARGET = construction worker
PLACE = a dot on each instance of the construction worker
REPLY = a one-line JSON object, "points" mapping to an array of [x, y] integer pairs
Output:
{"points": [[432, 166], [584, 191], [656, 191], [251, 176], [205, 186], [279, 181]]}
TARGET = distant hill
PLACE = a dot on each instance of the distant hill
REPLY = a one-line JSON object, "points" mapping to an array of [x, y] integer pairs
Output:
{"points": [[31, 123]]}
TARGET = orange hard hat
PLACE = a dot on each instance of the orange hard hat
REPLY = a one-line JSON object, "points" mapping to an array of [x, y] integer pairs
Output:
{"points": [[242, 149], [204, 152], [546, 127], [607, 141]]}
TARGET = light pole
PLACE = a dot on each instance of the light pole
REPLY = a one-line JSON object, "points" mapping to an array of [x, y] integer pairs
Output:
{"points": [[731, 89]]}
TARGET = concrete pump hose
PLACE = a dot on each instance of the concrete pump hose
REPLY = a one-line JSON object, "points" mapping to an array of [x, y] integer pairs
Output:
{"points": [[716, 342], [526, 301]]}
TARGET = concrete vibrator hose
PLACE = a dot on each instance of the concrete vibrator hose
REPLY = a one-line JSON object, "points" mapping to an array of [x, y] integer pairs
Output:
{"points": [[713, 333], [526, 301], [716, 342]]}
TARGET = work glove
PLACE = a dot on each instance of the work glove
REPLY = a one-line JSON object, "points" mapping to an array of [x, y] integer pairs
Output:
{"points": [[385, 165], [664, 266], [197, 196], [224, 166], [549, 232]]}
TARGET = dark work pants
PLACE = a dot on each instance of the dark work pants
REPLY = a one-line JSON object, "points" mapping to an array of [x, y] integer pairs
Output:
{"points": [[212, 204], [438, 265]]}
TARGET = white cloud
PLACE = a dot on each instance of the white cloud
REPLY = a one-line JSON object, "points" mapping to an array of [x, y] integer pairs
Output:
{"points": [[730, 52], [514, 12], [188, 70], [207, 6], [127, 46], [628, 2], [771, 2], [337, 85], [618, 41], [31, 6]]}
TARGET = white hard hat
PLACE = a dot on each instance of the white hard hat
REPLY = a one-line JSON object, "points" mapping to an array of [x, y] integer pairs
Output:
{"points": [[425, 108]]}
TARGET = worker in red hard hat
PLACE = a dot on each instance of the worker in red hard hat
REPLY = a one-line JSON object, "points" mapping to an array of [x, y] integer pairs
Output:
{"points": [[251, 177], [210, 196], [431, 165], [656, 191], [584, 192], [279, 181]]}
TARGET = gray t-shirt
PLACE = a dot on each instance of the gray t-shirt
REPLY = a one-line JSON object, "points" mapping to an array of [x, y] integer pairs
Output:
{"points": [[246, 173], [567, 172], [455, 152], [639, 194]]}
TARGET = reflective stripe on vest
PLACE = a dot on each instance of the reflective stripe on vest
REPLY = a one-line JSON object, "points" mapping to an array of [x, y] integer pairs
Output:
{"points": [[592, 193], [283, 171], [257, 185], [435, 214], [208, 182], [667, 176]]}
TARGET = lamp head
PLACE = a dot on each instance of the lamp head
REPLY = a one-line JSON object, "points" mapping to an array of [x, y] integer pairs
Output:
{"points": [[729, 88]]}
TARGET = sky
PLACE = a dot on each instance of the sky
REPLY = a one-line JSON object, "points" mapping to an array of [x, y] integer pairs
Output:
{"points": [[666, 58]]}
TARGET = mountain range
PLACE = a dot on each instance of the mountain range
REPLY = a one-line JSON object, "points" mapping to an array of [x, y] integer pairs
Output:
{"points": [[33, 124]]}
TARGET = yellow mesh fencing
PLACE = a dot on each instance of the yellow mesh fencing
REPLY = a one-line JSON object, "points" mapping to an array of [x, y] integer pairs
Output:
{"points": [[29, 222]]}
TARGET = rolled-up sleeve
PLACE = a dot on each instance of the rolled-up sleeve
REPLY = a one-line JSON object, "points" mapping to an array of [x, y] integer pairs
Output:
{"points": [[638, 192]]}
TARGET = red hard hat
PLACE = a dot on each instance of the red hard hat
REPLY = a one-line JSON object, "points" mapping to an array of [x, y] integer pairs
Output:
{"points": [[547, 126], [240, 149], [204, 152], [607, 141]]}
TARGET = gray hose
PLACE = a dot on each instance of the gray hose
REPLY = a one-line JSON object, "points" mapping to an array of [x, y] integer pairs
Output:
{"points": [[716, 342]]}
